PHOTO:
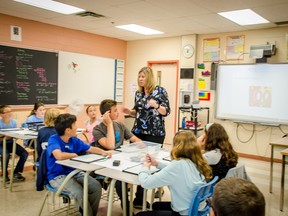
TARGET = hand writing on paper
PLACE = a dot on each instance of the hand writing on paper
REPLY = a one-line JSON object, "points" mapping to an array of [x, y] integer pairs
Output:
{"points": [[108, 154], [150, 161]]}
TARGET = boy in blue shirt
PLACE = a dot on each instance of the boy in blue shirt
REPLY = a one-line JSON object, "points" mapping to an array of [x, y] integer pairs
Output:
{"points": [[65, 145], [6, 122]]}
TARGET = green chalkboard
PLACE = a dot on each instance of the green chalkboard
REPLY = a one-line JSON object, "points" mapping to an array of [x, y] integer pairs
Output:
{"points": [[28, 76]]}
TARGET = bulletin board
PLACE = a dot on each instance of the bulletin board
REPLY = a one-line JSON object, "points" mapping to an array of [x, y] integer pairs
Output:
{"points": [[84, 78]]}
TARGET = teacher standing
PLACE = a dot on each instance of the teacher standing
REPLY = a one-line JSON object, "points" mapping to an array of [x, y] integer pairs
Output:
{"points": [[150, 109]]}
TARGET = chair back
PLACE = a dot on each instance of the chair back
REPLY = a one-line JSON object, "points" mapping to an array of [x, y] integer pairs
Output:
{"points": [[239, 172], [202, 193]]}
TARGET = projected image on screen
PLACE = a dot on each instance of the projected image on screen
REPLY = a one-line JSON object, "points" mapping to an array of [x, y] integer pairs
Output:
{"points": [[254, 93], [260, 96]]}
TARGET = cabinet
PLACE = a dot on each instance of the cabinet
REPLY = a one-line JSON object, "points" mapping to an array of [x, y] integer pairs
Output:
{"points": [[192, 120]]}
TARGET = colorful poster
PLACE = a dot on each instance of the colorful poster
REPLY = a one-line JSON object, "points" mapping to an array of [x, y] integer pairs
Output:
{"points": [[204, 95], [211, 48], [235, 47], [201, 83]]}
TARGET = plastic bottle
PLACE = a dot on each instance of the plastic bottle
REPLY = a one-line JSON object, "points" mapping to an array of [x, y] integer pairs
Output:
{"points": [[184, 122]]}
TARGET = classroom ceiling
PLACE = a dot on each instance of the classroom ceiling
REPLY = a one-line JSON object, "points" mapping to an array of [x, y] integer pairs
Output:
{"points": [[173, 17]]}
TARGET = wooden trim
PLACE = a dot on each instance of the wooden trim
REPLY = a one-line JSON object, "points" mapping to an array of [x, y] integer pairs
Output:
{"points": [[261, 158]]}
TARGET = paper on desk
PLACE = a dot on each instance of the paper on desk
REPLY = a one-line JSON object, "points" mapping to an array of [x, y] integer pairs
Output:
{"points": [[124, 162], [136, 169], [26, 132]]}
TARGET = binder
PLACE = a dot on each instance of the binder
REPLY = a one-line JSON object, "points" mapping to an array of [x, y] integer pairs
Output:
{"points": [[89, 158], [137, 168]]}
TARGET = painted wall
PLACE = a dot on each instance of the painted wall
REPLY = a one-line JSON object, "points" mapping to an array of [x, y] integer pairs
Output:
{"points": [[139, 52], [36, 35]]}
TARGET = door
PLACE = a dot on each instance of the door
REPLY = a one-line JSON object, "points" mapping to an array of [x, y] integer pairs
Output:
{"points": [[166, 74]]}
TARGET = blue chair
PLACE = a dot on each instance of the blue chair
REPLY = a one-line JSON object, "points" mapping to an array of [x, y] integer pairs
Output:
{"points": [[200, 196]]}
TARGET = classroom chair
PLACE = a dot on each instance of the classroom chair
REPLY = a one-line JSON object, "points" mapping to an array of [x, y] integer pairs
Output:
{"points": [[52, 197], [201, 195], [239, 171]]}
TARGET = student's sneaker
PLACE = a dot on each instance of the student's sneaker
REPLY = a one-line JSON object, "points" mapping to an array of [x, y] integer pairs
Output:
{"points": [[18, 177], [7, 180], [139, 203]]}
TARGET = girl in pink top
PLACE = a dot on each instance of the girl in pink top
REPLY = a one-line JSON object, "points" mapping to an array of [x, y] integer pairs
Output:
{"points": [[91, 111]]}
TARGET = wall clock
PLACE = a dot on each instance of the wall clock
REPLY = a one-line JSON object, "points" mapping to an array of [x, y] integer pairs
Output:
{"points": [[188, 51]]}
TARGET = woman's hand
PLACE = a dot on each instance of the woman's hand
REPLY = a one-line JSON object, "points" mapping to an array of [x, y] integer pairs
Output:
{"points": [[130, 112], [153, 103]]}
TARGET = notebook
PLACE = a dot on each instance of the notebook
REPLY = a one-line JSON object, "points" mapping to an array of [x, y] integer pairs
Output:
{"points": [[136, 169], [89, 158]]}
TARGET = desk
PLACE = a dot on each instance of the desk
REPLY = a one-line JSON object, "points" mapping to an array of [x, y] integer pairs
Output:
{"points": [[284, 153], [87, 168], [283, 143], [19, 134]]}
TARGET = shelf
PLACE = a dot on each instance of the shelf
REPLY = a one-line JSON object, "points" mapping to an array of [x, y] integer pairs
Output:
{"points": [[194, 112]]}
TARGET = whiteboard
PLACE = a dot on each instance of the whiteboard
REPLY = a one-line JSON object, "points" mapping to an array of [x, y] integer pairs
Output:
{"points": [[84, 78], [254, 93]]}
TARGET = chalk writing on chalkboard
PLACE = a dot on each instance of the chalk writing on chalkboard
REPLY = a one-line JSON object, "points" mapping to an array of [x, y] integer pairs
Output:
{"points": [[27, 76]]}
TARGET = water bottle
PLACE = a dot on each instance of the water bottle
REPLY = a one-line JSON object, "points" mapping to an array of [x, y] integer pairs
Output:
{"points": [[184, 122]]}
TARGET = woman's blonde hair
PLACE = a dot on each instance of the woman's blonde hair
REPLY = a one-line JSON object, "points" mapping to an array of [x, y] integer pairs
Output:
{"points": [[150, 82], [185, 146], [50, 116]]}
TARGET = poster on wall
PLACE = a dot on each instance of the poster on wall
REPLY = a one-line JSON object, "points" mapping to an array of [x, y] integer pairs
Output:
{"points": [[235, 47], [211, 49]]}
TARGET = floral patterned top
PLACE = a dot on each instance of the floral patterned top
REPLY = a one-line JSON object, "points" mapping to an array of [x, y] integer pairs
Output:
{"points": [[148, 120]]}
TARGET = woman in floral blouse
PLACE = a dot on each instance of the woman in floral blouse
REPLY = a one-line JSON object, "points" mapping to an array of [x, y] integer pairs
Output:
{"points": [[150, 109]]}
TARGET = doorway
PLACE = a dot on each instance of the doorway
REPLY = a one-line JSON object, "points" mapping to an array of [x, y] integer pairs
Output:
{"points": [[166, 73]]}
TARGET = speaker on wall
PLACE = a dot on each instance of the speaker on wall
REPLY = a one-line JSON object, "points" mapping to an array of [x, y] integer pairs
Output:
{"points": [[186, 73], [213, 82]]}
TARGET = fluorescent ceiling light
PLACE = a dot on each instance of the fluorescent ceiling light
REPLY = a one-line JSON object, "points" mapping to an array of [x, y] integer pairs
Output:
{"points": [[244, 17], [139, 29], [52, 6]]}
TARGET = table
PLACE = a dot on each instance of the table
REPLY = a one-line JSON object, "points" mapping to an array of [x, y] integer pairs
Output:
{"points": [[105, 168], [87, 168], [284, 153], [282, 143], [15, 134]]}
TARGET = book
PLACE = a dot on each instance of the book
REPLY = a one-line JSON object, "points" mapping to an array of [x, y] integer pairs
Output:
{"points": [[89, 158]]}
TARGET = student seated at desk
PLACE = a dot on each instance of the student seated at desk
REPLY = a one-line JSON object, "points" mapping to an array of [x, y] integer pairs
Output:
{"points": [[91, 111], [182, 175], [36, 116], [218, 150], [45, 132], [8, 122], [110, 135], [65, 145]]}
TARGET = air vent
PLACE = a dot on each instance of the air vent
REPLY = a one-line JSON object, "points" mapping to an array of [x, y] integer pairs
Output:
{"points": [[282, 23], [89, 14]]}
